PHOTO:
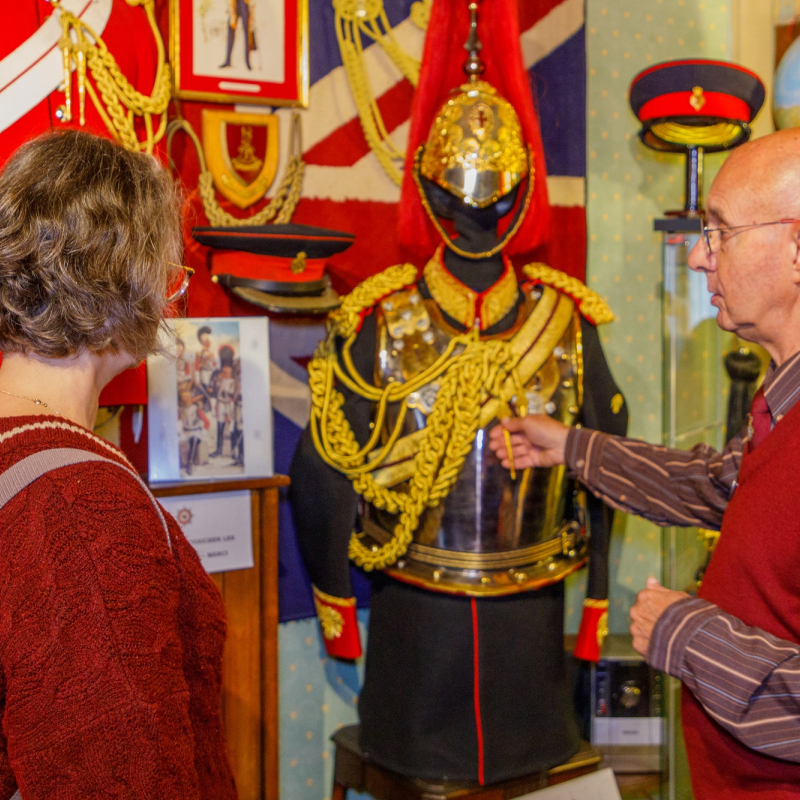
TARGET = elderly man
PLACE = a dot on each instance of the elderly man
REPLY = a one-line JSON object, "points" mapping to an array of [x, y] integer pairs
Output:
{"points": [[735, 647]]}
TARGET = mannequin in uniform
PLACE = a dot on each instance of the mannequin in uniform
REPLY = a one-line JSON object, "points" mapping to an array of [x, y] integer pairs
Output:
{"points": [[465, 670]]}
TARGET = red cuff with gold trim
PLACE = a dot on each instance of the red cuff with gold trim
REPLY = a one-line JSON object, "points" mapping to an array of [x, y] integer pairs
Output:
{"points": [[593, 630], [337, 619]]}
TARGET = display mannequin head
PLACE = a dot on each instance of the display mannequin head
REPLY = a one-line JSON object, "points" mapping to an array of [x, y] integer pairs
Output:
{"points": [[476, 230]]}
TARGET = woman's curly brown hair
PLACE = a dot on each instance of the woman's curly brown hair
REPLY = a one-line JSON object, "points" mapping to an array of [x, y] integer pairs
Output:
{"points": [[87, 231]]}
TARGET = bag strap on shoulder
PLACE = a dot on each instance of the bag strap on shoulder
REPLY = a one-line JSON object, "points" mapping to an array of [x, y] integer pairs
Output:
{"points": [[31, 468]]}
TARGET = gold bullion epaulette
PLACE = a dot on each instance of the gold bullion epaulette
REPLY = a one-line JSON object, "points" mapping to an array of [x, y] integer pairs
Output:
{"points": [[589, 303], [346, 320]]}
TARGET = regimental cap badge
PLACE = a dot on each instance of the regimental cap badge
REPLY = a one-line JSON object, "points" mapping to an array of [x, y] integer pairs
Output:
{"points": [[697, 100]]}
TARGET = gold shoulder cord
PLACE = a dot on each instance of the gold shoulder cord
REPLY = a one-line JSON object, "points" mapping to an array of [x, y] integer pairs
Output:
{"points": [[280, 209], [591, 304], [468, 372], [119, 103]]}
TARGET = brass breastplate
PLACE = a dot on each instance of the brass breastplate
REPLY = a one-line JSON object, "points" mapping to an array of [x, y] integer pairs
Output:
{"points": [[491, 535]]}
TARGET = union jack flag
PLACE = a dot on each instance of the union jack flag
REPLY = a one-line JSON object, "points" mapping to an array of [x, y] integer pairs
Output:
{"points": [[345, 188]]}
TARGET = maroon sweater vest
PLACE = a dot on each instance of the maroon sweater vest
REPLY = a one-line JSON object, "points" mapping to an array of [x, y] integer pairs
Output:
{"points": [[754, 575]]}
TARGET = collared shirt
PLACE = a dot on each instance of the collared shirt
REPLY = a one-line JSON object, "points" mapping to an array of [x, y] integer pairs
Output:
{"points": [[747, 680], [673, 487]]}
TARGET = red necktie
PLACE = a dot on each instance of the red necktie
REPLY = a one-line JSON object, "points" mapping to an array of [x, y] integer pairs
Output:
{"points": [[761, 419]]}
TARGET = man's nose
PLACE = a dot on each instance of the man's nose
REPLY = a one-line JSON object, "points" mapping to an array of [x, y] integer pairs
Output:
{"points": [[699, 259]]}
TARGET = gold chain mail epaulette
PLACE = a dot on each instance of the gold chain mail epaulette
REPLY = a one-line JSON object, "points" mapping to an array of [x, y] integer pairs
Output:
{"points": [[346, 320], [591, 305]]}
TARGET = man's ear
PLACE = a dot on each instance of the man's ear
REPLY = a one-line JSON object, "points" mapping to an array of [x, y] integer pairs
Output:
{"points": [[796, 253]]}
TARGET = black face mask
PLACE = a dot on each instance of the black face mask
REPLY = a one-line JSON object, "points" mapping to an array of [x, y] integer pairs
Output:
{"points": [[447, 206]]}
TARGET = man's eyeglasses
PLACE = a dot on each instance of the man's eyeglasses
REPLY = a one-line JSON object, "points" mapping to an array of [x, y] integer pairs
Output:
{"points": [[714, 237], [177, 281]]}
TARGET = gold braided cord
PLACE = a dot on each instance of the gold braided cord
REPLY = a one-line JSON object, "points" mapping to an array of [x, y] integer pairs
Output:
{"points": [[280, 208], [346, 320], [351, 378], [368, 17], [468, 373], [591, 304], [118, 103], [722, 134]]}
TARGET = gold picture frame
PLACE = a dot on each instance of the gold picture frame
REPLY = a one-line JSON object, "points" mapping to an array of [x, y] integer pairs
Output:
{"points": [[252, 52]]}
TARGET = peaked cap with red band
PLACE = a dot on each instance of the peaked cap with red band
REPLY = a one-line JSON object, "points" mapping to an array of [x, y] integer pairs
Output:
{"points": [[276, 266], [699, 94], [441, 73]]}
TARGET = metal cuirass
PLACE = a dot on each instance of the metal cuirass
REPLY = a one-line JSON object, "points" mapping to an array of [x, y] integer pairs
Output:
{"points": [[492, 534]]}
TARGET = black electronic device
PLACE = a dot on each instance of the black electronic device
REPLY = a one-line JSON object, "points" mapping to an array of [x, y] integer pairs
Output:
{"points": [[627, 708]]}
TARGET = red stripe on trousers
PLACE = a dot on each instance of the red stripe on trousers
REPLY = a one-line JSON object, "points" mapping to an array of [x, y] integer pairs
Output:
{"points": [[477, 688]]}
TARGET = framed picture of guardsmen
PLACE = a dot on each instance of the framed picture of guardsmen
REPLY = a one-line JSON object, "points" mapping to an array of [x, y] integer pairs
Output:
{"points": [[209, 414], [240, 51]]}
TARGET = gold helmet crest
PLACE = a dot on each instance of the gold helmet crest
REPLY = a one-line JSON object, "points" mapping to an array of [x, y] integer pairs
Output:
{"points": [[475, 148]]}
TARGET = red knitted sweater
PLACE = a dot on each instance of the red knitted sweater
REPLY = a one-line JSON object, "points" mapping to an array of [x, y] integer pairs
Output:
{"points": [[754, 576], [110, 642]]}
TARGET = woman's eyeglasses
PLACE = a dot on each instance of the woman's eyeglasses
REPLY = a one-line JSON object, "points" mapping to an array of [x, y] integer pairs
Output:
{"points": [[177, 281]]}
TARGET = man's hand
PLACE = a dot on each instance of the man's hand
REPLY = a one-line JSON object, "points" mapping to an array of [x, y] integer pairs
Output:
{"points": [[650, 605], [536, 441]]}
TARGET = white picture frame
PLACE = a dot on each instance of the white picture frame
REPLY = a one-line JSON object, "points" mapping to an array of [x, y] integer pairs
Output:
{"points": [[209, 415]]}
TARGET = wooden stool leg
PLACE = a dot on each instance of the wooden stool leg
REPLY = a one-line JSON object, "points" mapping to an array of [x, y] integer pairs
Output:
{"points": [[339, 791]]}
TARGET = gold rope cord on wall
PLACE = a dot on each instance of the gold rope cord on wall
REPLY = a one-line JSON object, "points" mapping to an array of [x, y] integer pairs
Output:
{"points": [[118, 104], [279, 210], [368, 17]]}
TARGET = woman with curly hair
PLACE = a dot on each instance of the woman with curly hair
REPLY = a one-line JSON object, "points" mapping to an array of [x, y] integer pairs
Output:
{"points": [[111, 633]]}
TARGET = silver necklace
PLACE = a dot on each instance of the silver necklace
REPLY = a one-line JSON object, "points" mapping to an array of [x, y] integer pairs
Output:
{"points": [[34, 400]]}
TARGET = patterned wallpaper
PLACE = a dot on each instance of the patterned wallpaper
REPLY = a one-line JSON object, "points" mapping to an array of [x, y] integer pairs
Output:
{"points": [[628, 186]]}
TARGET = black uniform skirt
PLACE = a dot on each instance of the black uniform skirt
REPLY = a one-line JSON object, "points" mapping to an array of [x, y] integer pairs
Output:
{"points": [[466, 689]]}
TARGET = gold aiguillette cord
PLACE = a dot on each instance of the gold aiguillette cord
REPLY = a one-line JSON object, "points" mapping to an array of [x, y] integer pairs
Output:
{"points": [[511, 470]]}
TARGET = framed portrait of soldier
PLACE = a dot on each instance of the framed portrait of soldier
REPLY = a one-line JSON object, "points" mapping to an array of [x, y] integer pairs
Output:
{"points": [[240, 51], [209, 415]]}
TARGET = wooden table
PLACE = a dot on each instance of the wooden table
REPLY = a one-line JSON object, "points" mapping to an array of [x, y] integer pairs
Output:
{"points": [[635, 785], [250, 662]]}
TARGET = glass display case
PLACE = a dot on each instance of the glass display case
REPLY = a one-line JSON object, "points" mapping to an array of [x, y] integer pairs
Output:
{"points": [[694, 410]]}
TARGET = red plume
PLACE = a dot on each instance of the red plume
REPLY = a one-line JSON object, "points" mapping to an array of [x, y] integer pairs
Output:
{"points": [[441, 72]]}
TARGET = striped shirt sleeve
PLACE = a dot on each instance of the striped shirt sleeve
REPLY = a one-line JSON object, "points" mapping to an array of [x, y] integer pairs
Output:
{"points": [[745, 678], [666, 486]]}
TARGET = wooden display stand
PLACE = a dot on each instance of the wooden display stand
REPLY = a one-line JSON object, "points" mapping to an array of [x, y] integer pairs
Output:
{"points": [[353, 770], [250, 662]]}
